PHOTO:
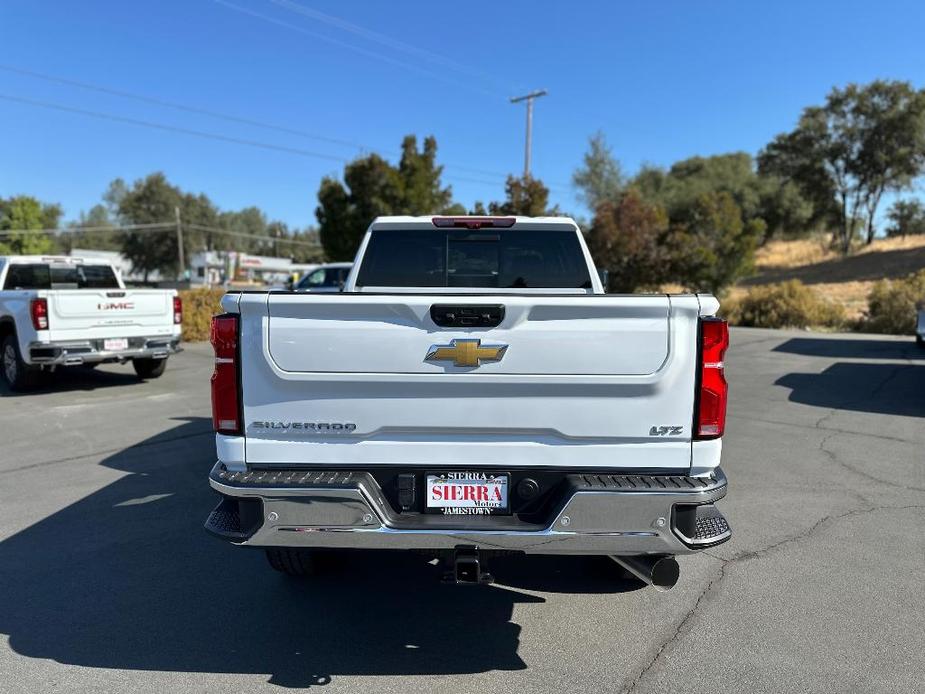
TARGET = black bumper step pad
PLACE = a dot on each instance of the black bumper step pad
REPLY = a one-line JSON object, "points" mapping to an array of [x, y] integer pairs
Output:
{"points": [[643, 482], [710, 527], [289, 478]]}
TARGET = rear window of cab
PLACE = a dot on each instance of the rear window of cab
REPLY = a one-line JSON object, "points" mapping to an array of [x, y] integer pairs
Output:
{"points": [[499, 258], [45, 276]]}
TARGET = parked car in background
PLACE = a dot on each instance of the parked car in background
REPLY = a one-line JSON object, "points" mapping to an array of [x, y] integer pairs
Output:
{"points": [[325, 279], [63, 311]]}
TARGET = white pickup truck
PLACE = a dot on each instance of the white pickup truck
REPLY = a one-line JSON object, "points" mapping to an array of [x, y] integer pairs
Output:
{"points": [[472, 390], [63, 311]]}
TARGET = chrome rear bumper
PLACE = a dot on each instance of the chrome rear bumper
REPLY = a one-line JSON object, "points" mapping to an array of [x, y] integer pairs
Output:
{"points": [[74, 352], [600, 514]]}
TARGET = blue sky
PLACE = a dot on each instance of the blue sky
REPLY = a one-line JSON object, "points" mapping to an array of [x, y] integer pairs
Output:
{"points": [[664, 81]]}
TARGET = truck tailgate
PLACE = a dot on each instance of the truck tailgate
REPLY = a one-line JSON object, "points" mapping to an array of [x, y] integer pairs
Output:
{"points": [[109, 313], [560, 381]]}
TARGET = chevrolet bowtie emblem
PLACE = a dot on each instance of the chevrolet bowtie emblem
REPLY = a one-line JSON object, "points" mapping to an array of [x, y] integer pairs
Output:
{"points": [[464, 352]]}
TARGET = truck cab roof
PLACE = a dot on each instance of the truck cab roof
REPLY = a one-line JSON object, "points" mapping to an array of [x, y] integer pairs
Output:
{"points": [[53, 259]]}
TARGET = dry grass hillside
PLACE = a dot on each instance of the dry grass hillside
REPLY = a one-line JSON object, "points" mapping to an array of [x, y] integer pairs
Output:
{"points": [[845, 280]]}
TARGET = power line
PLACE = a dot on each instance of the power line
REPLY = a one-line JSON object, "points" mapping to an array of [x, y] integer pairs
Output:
{"points": [[64, 230], [180, 107], [381, 39], [281, 239], [158, 228], [349, 46], [172, 128], [208, 135], [249, 121]]}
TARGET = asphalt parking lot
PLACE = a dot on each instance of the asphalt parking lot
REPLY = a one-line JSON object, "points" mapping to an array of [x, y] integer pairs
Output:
{"points": [[109, 582]]}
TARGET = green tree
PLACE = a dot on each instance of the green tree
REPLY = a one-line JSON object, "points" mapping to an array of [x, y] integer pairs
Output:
{"points": [[709, 244], [372, 187], [201, 225], [154, 200], [626, 238], [867, 140], [94, 230], [783, 208], [600, 178], [22, 214], [421, 190], [906, 217], [151, 200], [526, 196], [251, 221]]}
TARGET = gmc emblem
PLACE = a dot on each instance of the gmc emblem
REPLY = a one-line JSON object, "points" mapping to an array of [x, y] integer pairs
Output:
{"points": [[117, 306]]}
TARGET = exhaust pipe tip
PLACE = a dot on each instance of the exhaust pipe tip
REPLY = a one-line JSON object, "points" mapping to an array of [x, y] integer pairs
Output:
{"points": [[660, 572], [665, 573]]}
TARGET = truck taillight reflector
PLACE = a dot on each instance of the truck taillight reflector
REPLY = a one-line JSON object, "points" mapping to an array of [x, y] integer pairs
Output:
{"points": [[711, 415], [39, 310], [225, 394], [177, 310]]}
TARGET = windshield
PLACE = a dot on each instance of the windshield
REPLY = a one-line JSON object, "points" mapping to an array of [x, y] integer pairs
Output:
{"points": [[44, 276], [503, 258]]}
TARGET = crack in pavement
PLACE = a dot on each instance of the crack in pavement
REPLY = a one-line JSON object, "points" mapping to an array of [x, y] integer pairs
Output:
{"points": [[714, 582], [833, 457], [865, 434]]}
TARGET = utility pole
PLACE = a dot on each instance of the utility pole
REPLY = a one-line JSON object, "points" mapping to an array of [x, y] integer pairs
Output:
{"points": [[529, 99], [180, 244]]}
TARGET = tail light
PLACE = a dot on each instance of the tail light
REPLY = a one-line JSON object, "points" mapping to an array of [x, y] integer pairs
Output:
{"points": [[39, 310], [177, 310], [711, 411], [226, 418]]}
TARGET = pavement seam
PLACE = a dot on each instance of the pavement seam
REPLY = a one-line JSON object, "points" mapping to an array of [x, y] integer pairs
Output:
{"points": [[743, 557]]}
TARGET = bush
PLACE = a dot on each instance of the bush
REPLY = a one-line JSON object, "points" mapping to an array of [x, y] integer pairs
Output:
{"points": [[199, 305], [891, 305], [787, 305]]}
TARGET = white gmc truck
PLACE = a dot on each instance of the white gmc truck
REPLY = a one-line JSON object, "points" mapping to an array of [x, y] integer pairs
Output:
{"points": [[473, 390], [63, 311]]}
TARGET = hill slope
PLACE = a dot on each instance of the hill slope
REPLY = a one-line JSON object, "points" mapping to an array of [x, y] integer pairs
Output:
{"points": [[846, 279]]}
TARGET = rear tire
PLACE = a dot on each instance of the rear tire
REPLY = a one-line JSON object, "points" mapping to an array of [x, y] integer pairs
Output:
{"points": [[293, 562], [17, 374], [149, 368]]}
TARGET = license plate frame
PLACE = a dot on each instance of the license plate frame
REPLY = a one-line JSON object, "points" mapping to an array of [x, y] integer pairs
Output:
{"points": [[115, 344], [471, 506]]}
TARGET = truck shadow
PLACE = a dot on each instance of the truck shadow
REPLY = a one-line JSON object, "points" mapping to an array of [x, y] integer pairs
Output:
{"points": [[76, 378], [853, 348], [886, 388], [126, 578]]}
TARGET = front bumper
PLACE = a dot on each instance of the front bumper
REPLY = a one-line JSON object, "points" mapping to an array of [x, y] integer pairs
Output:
{"points": [[597, 514], [73, 352]]}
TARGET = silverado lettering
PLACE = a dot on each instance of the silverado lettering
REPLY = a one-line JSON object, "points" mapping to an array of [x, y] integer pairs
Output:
{"points": [[307, 426]]}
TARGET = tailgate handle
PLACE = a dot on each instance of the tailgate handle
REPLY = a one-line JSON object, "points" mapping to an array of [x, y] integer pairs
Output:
{"points": [[467, 315], [115, 295]]}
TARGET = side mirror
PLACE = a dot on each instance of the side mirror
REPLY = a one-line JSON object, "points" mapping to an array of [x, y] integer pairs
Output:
{"points": [[605, 277]]}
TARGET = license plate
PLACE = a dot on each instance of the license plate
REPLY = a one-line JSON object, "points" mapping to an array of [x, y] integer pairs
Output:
{"points": [[467, 493], [115, 344]]}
